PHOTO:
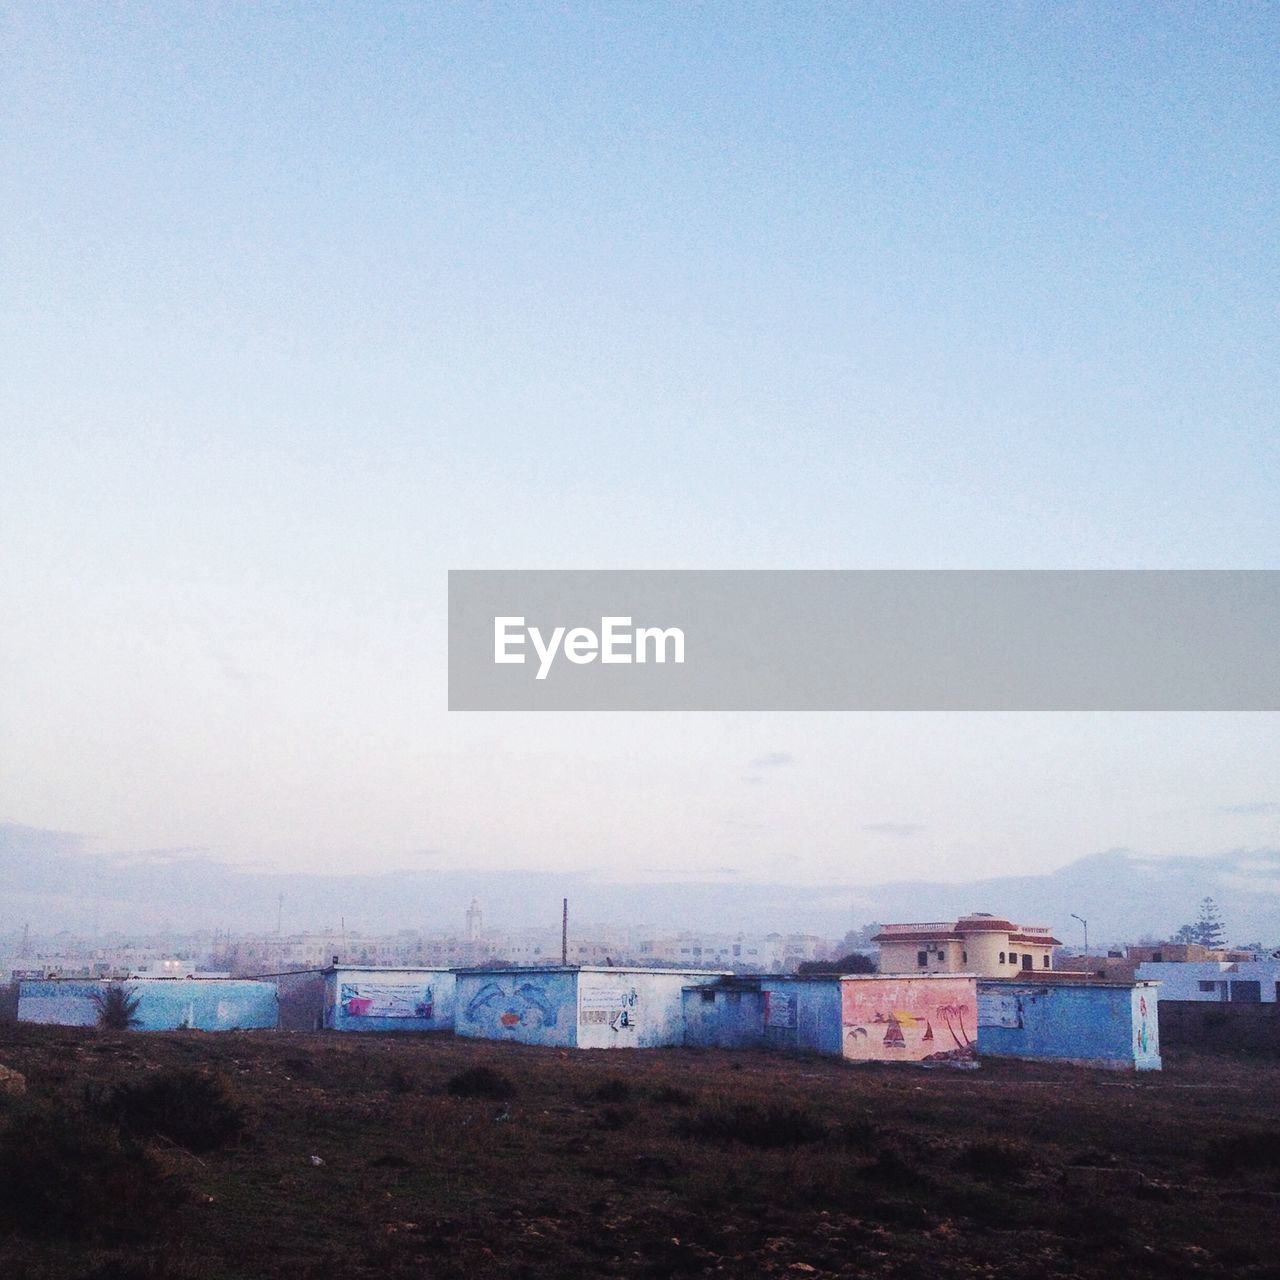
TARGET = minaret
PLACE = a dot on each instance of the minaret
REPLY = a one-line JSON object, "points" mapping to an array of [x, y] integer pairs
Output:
{"points": [[473, 921]]}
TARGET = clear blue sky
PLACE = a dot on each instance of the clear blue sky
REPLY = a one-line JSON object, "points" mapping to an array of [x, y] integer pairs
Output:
{"points": [[305, 305]]}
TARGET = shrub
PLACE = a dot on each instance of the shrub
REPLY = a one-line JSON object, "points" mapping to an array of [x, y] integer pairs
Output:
{"points": [[776, 1125], [481, 1082], [1257, 1149], [194, 1109], [67, 1176], [617, 1117], [668, 1095], [117, 1008], [994, 1161], [612, 1090]]}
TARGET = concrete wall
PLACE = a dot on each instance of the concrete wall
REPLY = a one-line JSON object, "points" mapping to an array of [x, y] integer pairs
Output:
{"points": [[586, 1008], [803, 1014], [633, 1008], [908, 1019], [389, 999], [1220, 1028], [1092, 1024], [164, 1004], [724, 1018], [533, 1006]]}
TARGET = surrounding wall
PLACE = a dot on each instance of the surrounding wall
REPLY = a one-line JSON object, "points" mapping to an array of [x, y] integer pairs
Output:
{"points": [[1094, 1024], [164, 1004], [1220, 1028], [803, 1014], [389, 999], [908, 1019], [533, 1006], [728, 1017]]}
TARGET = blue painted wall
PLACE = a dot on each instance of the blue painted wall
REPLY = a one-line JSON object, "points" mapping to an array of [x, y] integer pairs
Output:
{"points": [[164, 1004], [363, 999], [533, 1006], [803, 1014], [1092, 1024], [723, 1018]]}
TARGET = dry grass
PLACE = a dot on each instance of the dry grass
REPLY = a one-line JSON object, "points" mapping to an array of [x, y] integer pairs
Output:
{"points": [[628, 1164]]}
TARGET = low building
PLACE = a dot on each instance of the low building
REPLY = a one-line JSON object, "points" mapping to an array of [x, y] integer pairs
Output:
{"points": [[1240, 982], [583, 1007], [908, 1018], [1091, 1023], [978, 944], [163, 1004], [773, 1011], [376, 999]]}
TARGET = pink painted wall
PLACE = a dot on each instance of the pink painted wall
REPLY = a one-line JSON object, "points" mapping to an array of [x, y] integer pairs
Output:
{"points": [[908, 1019]]}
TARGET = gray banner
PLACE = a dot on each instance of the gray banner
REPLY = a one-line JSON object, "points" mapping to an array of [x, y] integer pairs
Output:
{"points": [[816, 640]]}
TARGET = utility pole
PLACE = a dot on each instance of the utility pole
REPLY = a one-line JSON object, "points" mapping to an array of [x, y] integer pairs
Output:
{"points": [[279, 913], [564, 932]]}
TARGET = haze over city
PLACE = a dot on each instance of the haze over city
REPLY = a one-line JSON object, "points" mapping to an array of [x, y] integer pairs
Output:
{"points": [[307, 307]]}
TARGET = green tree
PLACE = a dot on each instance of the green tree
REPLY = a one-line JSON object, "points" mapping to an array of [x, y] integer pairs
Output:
{"points": [[117, 1008], [1210, 931]]}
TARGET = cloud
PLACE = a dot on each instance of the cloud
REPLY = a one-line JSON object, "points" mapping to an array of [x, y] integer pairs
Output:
{"points": [[773, 760], [893, 828], [1258, 808]]}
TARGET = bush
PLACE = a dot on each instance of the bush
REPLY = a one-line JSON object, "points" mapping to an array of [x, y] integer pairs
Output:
{"points": [[117, 1008], [668, 1095], [752, 1125], [1258, 1149], [481, 1082], [994, 1161], [612, 1090], [67, 1176], [193, 1109]]}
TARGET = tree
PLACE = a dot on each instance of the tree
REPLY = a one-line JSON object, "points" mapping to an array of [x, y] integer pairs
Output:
{"points": [[1186, 934], [1209, 927], [855, 962], [117, 1008]]}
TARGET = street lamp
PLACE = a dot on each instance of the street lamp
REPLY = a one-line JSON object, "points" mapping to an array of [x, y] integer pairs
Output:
{"points": [[1084, 922]]}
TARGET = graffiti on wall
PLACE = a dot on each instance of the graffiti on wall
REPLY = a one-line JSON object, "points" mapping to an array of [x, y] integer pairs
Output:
{"points": [[1144, 1040], [779, 1009], [906, 1021], [387, 1000], [613, 1007], [999, 1009], [511, 1005]]}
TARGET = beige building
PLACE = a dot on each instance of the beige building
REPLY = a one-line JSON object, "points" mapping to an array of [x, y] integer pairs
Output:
{"points": [[982, 944]]}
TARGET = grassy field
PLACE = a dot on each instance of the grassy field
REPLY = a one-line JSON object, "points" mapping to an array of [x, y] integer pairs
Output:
{"points": [[311, 1155]]}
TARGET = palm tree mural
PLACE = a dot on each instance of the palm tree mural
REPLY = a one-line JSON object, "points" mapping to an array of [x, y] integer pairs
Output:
{"points": [[957, 1011]]}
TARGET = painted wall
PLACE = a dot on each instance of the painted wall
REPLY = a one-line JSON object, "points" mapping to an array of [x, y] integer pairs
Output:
{"points": [[719, 1018], [164, 1004], [587, 1008], [533, 1006], [1113, 1026], [633, 1008], [803, 1014], [908, 1019], [389, 999]]}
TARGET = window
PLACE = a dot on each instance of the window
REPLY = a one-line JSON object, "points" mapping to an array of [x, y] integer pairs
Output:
{"points": [[1157, 957], [964, 957], [1208, 986], [708, 997], [1045, 958], [1002, 957], [922, 958], [1013, 957]]}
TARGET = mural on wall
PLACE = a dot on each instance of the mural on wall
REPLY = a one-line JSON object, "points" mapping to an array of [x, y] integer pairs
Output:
{"points": [[614, 1007], [1144, 1040], [909, 1020], [387, 1000], [512, 1005], [779, 1009]]}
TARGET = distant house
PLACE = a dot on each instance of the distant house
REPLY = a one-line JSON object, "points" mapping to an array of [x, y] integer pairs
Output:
{"points": [[1242, 982], [981, 944]]}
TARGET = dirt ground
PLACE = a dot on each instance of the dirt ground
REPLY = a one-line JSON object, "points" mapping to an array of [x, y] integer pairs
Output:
{"points": [[354, 1159]]}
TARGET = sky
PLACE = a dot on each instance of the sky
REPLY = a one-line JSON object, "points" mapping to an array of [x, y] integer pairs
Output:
{"points": [[306, 305]]}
